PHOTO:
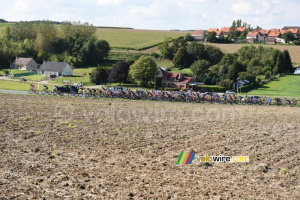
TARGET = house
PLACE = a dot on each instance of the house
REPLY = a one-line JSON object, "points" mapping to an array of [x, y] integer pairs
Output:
{"points": [[28, 64], [171, 79], [213, 29], [265, 32], [273, 34], [297, 70], [276, 30], [198, 35], [295, 32], [225, 29], [255, 35], [241, 29], [219, 34], [58, 68], [283, 31], [270, 40]]}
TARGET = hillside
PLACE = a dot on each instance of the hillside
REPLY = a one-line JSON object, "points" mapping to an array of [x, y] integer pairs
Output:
{"points": [[284, 86], [135, 38]]}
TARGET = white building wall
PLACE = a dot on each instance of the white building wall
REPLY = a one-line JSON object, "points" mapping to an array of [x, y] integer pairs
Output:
{"points": [[67, 71]]}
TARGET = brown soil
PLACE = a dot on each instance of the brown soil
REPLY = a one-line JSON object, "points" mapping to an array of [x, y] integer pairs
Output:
{"points": [[73, 148]]}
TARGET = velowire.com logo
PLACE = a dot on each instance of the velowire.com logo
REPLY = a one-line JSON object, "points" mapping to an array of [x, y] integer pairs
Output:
{"points": [[187, 158]]}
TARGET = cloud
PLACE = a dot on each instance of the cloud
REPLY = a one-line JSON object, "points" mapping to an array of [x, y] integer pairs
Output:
{"points": [[251, 7], [107, 2]]}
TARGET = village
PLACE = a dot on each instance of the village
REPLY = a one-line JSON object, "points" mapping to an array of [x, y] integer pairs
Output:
{"points": [[257, 35]]}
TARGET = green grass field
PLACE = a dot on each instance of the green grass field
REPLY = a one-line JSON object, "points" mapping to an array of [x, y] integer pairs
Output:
{"points": [[135, 39], [185, 71], [16, 85], [77, 77], [284, 86]]}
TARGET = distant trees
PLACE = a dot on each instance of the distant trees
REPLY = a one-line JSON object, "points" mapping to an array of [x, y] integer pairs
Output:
{"points": [[199, 67], [211, 37], [73, 42], [143, 70], [99, 75], [119, 72], [288, 37], [170, 46], [180, 59]]}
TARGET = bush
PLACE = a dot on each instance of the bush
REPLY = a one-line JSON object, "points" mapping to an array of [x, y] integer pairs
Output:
{"points": [[171, 89], [225, 84], [250, 87], [267, 75], [209, 88]]}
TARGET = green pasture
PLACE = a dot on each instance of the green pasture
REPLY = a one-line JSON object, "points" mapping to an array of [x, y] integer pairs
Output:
{"points": [[185, 71], [17, 85], [135, 39], [288, 85]]}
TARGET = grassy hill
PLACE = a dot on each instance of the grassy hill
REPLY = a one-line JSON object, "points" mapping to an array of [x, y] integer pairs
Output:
{"points": [[284, 86], [134, 38]]}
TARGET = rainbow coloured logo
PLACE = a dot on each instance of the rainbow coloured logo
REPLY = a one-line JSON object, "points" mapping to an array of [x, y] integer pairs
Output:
{"points": [[185, 158]]}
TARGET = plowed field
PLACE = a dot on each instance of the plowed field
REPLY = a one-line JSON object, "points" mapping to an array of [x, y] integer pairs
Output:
{"points": [[75, 148]]}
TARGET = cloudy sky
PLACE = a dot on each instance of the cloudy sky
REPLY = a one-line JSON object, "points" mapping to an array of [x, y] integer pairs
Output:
{"points": [[157, 14]]}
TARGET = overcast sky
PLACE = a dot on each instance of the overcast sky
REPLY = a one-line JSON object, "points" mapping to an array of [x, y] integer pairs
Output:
{"points": [[157, 14]]}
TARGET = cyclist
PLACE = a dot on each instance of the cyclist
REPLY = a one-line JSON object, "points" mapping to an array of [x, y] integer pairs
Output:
{"points": [[32, 87]]}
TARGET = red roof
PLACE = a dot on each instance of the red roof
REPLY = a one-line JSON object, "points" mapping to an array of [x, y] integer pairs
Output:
{"points": [[198, 32], [187, 79], [242, 29], [275, 30], [252, 34], [274, 34], [265, 32], [213, 29], [218, 33], [294, 31], [283, 31], [225, 29]]}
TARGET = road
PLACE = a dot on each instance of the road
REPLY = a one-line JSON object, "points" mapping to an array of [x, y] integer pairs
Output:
{"points": [[13, 91]]}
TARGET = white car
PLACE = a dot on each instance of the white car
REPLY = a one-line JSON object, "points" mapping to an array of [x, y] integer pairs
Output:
{"points": [[230, 92]]}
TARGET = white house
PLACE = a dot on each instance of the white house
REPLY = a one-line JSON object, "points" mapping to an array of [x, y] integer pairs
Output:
{"points": [[297, 70], [57, 68], [25, 64]]}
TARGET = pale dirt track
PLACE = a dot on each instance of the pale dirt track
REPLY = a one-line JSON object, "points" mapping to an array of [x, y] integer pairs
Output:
{"points": [[73, 148]]}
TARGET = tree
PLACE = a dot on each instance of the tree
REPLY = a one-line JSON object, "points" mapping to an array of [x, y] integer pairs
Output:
{"points": [[94, 51], [288, 37], [288, 66], [180, 59], [99, 75], [119, 72], [234, 70], [78, 30], [196, 51], [143, 70], [47, 34], [199, 67], [213, 54], [165, 50], [211, 37], [279, 67], [225, 83]]}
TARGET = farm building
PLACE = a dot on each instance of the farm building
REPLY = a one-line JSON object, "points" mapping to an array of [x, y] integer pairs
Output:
{"points": [[257, 36], [175, 80], [198, 35], [28, 64], [57, 68]]}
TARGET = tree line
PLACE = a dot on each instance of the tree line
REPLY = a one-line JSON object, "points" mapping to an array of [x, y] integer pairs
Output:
{"points": [[73, 42]]}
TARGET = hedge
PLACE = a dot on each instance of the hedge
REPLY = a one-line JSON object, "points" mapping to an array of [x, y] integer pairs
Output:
{"points": [[209, 88], [250, 87]]}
